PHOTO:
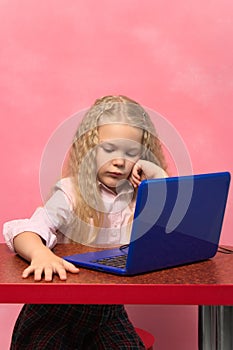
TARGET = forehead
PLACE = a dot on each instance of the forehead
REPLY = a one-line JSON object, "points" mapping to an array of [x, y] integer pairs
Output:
{"points": [[119, 131]]}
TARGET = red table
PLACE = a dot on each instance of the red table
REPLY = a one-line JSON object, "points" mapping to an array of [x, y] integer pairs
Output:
{"points": [[208, 283]]}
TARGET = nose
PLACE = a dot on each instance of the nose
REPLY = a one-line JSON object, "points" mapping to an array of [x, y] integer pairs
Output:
{"points": [[119, 162]]}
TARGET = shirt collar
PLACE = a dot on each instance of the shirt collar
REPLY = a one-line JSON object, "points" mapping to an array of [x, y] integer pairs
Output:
{"points": [[126, 188]]}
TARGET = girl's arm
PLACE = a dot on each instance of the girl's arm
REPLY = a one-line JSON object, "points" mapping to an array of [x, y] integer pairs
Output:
{"points": [[33, 238], [42, 260], [144, 169]]}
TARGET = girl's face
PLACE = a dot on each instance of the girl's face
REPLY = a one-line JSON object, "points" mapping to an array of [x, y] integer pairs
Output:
{"points": [[119, 149]]}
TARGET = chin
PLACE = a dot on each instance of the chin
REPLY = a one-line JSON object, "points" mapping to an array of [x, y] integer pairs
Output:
{"points": [[112, 185]]}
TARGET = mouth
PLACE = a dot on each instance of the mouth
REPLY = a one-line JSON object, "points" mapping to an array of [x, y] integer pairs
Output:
{"points": [[115, 174]]}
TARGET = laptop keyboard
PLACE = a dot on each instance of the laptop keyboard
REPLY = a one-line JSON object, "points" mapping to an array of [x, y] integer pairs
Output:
{"points": [[115, 261]]}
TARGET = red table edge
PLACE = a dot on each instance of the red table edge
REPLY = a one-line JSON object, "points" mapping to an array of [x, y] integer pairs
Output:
{"points": [[159, 294]]}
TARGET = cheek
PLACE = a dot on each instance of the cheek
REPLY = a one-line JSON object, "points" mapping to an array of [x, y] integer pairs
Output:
{"points": [[129, 165], [102, 160]]}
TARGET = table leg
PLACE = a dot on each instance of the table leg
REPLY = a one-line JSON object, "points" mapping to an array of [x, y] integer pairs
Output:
{"points": [[215, 328]]}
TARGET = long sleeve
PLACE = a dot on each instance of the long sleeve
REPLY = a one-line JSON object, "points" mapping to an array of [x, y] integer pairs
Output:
{"points": [[46, 221]]}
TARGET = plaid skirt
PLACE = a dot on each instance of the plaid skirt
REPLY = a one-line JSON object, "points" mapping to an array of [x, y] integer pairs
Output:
{"points": [[74, 327]]}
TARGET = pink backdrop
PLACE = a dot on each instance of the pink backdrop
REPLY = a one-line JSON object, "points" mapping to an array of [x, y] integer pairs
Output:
{"points": [[57, 57]]}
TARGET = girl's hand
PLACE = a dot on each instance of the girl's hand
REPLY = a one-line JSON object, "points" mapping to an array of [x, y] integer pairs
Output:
{"points": [[143, 169], [45, 262]]}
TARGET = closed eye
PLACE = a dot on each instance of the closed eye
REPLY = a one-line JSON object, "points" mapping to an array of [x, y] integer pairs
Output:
{"points": [[129, 152], [107, 147], [133, 152]]}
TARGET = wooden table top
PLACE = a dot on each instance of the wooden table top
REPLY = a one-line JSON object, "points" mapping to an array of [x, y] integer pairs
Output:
{"points": [[205, 283]]}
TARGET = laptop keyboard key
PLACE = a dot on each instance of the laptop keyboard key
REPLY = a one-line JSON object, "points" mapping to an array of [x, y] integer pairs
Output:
{"points": [[115, 261]]}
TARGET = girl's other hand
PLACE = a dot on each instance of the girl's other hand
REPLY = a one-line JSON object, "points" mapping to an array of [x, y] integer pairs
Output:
{"points": [[136, 175], [45, 263], [143, 169]]}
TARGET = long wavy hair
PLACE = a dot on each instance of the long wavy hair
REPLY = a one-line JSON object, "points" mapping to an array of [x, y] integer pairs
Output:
{"points": [[81, 166]]}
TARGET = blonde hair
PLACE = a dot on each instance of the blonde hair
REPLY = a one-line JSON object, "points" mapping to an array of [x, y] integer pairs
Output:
{"points": [[82, 155]]}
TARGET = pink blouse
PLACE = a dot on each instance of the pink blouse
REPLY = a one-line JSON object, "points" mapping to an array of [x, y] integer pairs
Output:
{"points": [[56, 221]]}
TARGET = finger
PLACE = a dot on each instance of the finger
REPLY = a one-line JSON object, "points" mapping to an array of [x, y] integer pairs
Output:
{"points": [[137, 169], [135, 181], [37, 274], [28, 271], [61, 273], [70, 267], [131, 180], [48, 274], [137, 175]]}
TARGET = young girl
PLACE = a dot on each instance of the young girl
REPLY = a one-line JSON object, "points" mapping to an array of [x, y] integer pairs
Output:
{"points": [[114, 149]]}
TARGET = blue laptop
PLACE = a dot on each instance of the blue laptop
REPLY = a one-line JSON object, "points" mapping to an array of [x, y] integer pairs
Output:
{"points": [[177, 221]]}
